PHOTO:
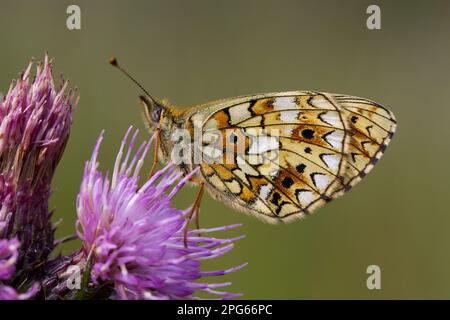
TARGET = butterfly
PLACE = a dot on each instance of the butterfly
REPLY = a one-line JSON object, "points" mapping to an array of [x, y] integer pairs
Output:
{"points": [[276, 156]]}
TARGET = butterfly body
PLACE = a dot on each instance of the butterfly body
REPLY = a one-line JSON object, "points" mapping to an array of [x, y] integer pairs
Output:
{"points": [[276, 156]]}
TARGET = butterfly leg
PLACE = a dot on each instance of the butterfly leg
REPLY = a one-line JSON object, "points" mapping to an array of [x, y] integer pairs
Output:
{"points": [[194, 210], [155, 156], [200, 183]]}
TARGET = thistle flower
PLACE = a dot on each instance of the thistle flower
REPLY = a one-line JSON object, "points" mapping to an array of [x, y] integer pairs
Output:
{"points": [[134, 237], [8, 257], [9, 253], [35, 120]]}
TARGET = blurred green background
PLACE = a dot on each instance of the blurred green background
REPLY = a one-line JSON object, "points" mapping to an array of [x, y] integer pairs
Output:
{"points": [[195, 51]]}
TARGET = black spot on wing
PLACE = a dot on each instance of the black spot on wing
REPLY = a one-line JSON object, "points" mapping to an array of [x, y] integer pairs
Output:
{"points": [[287, 182], [301, 168], [275, 198], [308, 133]]}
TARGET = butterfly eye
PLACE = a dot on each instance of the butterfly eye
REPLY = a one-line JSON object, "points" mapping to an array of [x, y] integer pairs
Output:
{"points": [[156, 114]]}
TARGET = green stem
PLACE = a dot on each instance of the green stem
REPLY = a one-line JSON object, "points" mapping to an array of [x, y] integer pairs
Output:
{"points": [[85, 281]]}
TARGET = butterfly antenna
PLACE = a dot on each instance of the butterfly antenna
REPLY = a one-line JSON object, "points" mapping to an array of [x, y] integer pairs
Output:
{"points": [[114, 63]]}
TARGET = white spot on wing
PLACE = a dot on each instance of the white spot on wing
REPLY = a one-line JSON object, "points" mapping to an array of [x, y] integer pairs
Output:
{"points": [[305, 197], [289, 116], [331, 160], [332, 118], [239, 113], [265, 191], [321, 181], [335, 138], [283, 103]]}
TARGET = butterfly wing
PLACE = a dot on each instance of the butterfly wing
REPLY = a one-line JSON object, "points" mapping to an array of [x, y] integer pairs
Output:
{"points": [[280, 156], [370, 129]]}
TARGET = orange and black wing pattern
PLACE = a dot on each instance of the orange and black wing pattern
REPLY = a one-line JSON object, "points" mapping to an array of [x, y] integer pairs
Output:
{"points": [[280, 156]]}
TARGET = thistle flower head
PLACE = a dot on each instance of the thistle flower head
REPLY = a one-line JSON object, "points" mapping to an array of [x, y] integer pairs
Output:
{"points": [[134, 237], [35, 119]]}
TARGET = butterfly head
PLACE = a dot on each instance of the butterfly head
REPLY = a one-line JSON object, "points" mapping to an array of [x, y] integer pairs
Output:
{"points": [[153, 111]]}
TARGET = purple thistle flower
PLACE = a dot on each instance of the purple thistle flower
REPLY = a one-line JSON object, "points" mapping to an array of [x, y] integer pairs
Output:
{"points": [[35, 120], [134, 237], [9, 293], [9, 253]]}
